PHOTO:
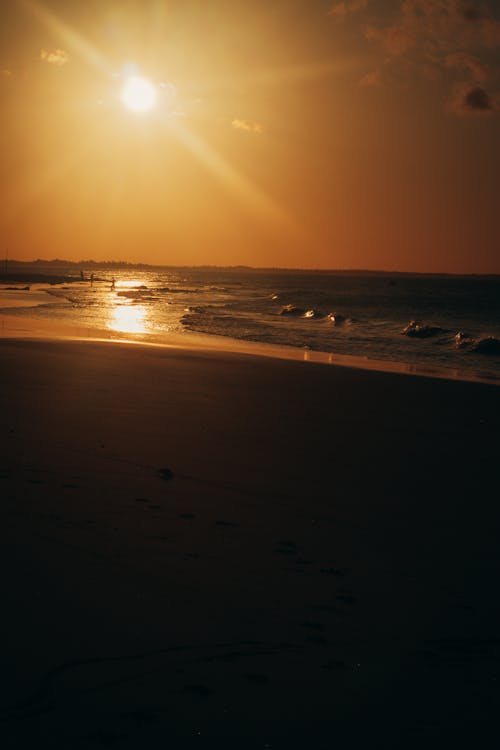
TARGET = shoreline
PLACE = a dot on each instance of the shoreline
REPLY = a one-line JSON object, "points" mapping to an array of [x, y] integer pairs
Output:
{"points": [[17, 326]]}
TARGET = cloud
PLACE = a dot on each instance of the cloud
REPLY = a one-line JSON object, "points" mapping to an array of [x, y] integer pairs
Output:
{"points": [[447, 39], [371, 79], [472, 101], [54, 57], [342, 9], [249, 127], [464, 61], [491, 32], [471, 13], [396, 40]]}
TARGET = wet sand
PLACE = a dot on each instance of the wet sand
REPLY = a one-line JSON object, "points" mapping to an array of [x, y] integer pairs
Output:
{"points": [[212, 549]]}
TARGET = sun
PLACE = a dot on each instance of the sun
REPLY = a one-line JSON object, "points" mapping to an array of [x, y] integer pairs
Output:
{"points": [[139, 94]]}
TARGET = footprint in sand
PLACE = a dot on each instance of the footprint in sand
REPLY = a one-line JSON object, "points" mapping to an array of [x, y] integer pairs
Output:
{"points": [[334, 664], [333, 572], [318, 640], [312, 625], [166, 474], [286, 547], [346, 598], [105, 737], [140, 716], [325, 607], [258, 679], [201, 690]]}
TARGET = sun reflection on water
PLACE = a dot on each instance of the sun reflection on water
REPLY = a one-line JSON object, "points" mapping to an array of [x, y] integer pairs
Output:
{"points": [[129, 318], [129, 284]]}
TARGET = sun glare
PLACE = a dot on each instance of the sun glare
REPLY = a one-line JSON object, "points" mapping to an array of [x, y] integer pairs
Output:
{"points": [[139, 94]]}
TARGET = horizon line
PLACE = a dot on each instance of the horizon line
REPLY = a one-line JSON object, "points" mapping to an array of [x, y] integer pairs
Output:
{"points": [[239, 266]]}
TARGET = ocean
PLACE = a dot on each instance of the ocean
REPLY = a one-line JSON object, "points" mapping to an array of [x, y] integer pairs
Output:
{"points": [[455, 320]]}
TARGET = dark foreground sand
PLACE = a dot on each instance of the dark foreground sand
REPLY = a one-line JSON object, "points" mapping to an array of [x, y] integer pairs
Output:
{"points": [[321, 569]]}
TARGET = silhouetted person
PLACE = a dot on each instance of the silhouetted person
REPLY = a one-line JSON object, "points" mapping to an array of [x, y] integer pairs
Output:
{"points": [[91, 279]]}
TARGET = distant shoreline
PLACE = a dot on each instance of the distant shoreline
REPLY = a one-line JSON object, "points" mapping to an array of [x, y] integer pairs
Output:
{"points": [[12, 268]]}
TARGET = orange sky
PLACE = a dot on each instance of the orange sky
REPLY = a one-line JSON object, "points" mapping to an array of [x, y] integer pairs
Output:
{"points": [[355, 134]]}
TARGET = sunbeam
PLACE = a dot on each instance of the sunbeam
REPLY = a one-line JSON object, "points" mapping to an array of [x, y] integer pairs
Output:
{"points": [[69, 35], [250, 195], [284, 75]]}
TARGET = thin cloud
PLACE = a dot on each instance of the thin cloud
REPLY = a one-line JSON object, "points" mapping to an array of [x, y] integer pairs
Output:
{"points": [[344, 8], [249, 127], [464, 61], [371, 79], [56, 57], [396, 40]]}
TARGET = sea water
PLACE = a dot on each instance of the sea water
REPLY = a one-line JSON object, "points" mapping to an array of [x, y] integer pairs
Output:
{"points": [[341, 313]]}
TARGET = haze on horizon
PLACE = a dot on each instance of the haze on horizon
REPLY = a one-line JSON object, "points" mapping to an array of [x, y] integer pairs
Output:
{"points": [[341, 134]]}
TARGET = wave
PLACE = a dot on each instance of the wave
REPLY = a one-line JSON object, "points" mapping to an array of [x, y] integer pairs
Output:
{"points": [[462, 340], [483, 345], [170, 290], [138, 297], [487, 345], [292, 310], [338, 319], [313, 313], [417, 330]]}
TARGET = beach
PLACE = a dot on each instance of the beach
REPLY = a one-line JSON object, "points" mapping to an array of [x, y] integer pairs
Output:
{"points": [[204, 548]]}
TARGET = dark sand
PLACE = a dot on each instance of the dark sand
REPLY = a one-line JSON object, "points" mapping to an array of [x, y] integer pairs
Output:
{"points": [[319, 566]]}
